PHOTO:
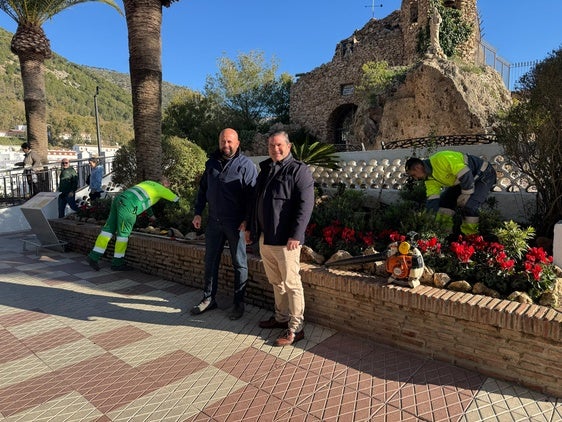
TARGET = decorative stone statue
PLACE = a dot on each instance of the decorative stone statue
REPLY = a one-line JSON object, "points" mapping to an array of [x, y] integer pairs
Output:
{"points": [[434, 25]]}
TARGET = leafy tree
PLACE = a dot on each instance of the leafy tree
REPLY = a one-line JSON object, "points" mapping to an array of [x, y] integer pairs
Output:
{"points": [[196, 117], [279, 99], [249, 90], [32, 47], [531, 134]]}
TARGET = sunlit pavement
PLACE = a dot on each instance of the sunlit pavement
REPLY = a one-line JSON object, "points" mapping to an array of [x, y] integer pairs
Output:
{"points": [[81, 345]]}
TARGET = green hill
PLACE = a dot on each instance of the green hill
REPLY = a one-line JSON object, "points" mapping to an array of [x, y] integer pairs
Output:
{"points": [[70, 98]]}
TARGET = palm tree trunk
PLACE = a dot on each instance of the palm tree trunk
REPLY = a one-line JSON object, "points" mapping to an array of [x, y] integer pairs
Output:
{"points": [[33, 79], [144, 21]]}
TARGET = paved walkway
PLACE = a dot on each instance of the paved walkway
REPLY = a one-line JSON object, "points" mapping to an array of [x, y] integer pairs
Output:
{"points": [[80, 345]]}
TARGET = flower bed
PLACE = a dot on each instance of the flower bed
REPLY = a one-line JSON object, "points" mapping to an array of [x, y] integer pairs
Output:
{"points": [[505, 339]]}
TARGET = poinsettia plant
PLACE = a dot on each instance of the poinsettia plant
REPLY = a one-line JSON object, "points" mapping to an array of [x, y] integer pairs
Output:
{"points": [[473, 259], [336, 236]]}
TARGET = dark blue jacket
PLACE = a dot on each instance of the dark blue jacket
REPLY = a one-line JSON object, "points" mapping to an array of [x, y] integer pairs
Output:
{"points": [[227, 188], [284, 201]]}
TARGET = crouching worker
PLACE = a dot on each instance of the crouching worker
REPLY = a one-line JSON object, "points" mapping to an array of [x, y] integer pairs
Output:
{"points": [[124, 211], [454, 180]]}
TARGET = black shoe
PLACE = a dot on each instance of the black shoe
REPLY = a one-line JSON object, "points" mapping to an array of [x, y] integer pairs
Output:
{"points": [[123, 267], [273, 323], [204, 305], [237, 311], [94, 264]]}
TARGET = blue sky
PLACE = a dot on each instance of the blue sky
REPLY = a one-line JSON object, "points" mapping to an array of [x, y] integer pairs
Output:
{"points": [[301, 35]]}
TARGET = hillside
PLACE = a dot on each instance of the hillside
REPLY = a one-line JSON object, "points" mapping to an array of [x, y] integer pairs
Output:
{"points": [[70, 98]]}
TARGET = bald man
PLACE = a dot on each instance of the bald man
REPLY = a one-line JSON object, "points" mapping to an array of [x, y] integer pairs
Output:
{"points": [[227, 187]]}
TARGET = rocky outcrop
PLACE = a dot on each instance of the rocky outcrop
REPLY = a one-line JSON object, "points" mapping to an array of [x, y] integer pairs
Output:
{"points": [[441, 97]]}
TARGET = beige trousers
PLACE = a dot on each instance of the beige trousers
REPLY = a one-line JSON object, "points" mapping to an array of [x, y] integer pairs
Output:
{"points": [[282, 268]]}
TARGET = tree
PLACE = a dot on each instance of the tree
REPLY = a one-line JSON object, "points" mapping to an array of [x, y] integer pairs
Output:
{"points": [[32, 47], [531, 134], [196, 117], [144, 24], [249, 90]]}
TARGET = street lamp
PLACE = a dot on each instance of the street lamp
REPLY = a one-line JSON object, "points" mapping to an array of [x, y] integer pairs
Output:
{"points": [[97, 120]]}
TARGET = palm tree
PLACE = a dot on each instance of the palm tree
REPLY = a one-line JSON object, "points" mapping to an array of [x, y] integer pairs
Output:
{"points": [[144, 24], [32, 47]]}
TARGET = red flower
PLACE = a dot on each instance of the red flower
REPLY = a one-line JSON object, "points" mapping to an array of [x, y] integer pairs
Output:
{"points": [[463, 251], [348, 235], [310, 229], [367, 238]]}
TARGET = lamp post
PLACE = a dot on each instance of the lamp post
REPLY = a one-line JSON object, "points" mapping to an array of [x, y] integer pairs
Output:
{"points": [[97, 119]]}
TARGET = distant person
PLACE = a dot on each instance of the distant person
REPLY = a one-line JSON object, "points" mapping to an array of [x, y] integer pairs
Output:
{"points": [[227, 186], [454, 180], [124, 211], [32, 169], [95, 178], [282, 210], [68, 183]]}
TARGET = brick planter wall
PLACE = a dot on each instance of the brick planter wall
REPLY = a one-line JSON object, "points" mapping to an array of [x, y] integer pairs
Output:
{"points": [[499, 338]]}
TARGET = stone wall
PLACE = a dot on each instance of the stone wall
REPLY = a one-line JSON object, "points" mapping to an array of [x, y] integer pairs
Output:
{"points": [[507, 340], [439, 96]]}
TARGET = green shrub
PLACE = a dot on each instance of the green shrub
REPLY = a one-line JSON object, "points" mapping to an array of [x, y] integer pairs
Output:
{"points": [[183, 164]]}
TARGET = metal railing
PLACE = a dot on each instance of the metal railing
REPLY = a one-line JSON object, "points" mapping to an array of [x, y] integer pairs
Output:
{"points": [[15, 188], [510, 72]]}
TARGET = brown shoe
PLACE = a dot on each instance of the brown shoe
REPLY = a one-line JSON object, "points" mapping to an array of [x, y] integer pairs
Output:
{"points": [[287, 338], [273, 323]]}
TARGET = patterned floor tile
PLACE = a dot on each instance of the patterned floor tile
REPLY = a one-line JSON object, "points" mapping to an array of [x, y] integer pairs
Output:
{"points": [[51, 339], [339, 403], [24, 395], [70, 407], [483, 411], [70, 354], [246, 404], [291, 383], [21, 317], [11, 348], [388, 413], [21, 368], [171, 367], [430, 401], [35, 327], [502, 395], [182, 399], [134, 290], [145, 350], [249, 364], [381, 373], [212, 346], [119, 337]]}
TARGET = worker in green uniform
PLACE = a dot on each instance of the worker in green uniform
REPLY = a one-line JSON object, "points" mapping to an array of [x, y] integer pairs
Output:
{"points": [[124, 211], [454, 180]]}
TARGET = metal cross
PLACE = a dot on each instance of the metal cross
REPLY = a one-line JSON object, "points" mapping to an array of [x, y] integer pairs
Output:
{"points": [[372, 6]]}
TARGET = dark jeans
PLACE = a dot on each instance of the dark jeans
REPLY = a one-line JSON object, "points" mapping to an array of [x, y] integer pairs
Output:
{"points": [[216, 234], [65, 199]]}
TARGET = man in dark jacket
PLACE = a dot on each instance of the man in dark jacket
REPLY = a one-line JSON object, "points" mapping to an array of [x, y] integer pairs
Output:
{"points": [[68, 183], [227, 186], [282, 210]]}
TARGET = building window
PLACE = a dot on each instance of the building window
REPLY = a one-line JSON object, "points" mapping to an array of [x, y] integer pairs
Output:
{"points": [[347, 89]]}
